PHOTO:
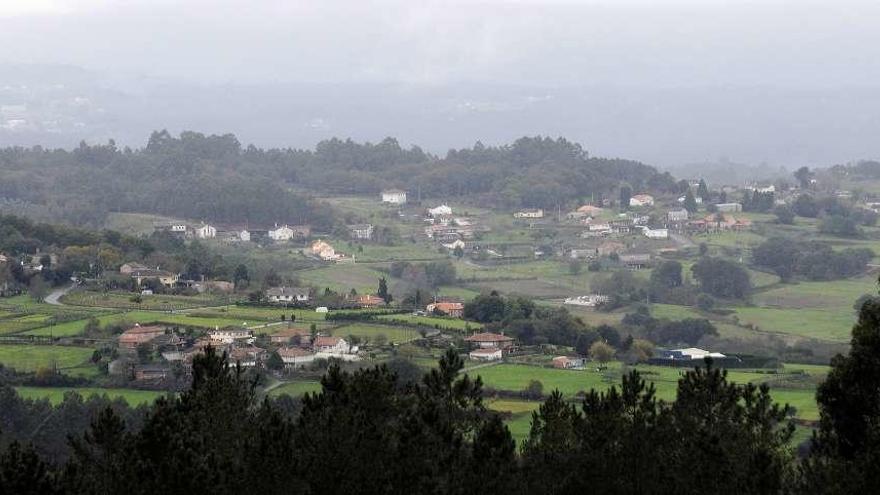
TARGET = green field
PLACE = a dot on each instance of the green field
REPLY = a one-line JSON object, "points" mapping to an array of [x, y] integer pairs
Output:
{"points": [[822, 323], [295, 389], [33, 357], [56, 394], [343, 277], [431, 321], [122, 300], [393, 334], [75, 328], [259, 313]]}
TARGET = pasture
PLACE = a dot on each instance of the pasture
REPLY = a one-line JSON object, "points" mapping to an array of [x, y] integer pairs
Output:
{"points": [[296, 388], [55, 395], [34, 357], [123, 300], [369, 332]]}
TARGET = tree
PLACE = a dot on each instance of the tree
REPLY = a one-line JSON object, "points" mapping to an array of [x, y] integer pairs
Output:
{"points": [[574, 267], [534, 390], [241, 275], [37, 288], [625, 195], [722, 278], [784, 215], [846, 449], [458, 252], [601, 352], [667, 275], [803, 176], [383, 291], [274, 362], [643, 350], [690, 203], [705, 302], [703, 190]]}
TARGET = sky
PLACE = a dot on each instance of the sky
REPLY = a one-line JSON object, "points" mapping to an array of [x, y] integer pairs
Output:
{"points": [[661, 43]]}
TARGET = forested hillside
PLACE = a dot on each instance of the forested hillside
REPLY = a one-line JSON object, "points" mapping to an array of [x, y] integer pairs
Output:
{"points": [[215, 179]]}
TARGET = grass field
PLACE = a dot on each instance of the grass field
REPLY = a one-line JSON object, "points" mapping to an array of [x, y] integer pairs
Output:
{"points": [[295, 389], [74, 328], [835, 294], [56, 394], [343, 277], [821, 323], [429, 321], [32, 357], [369, 332], [259, 313], [135, 223], [122, 300]]}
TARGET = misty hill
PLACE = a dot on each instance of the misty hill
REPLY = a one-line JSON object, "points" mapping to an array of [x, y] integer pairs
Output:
{"points": [[59, 106]]}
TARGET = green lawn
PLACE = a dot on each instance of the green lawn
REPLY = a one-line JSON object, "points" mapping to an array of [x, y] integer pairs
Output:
{"points": [[343, 277], [295, 389], [835, 294], [56, 394], [259, 313], [32, 357]]}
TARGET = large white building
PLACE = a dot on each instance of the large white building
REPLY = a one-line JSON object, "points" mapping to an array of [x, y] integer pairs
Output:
{"points": [[206, 232], [394, 196], [656, 233], [283, 233]]}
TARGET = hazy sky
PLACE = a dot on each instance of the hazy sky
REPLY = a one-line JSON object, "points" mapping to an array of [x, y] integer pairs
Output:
{"points": [[799, 43]]}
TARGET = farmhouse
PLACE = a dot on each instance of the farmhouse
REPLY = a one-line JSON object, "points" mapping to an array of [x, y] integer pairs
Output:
{"points": [[369, 301], [324, 251], [675, 216], [394, 196], [278, 295], [334, 347], [487, 354], [205, 231], [589, 301], [167, 279], [132, 266], [280, 234], [247, 357], [684, 357], [488, 340], [454, 309], [568, 363], [146, 372], [656, 233], [537, 213], [441, 210], [361, 231], [228, 335], [137, 335], [590, 210], [641, 200], [295, 356]]}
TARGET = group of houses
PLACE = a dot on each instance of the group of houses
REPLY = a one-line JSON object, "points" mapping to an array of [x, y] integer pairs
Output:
{"points": [[448, 229], [295, 346], [236, 233]]}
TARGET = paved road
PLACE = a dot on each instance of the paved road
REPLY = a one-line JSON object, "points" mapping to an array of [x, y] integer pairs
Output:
{"points": [[54, 297]]}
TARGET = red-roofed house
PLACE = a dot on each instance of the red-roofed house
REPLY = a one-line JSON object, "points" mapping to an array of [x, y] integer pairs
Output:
{"points": [[488, 340], [369, 301], [289, 334], [137, 335], [294, 356], [454, 309]]}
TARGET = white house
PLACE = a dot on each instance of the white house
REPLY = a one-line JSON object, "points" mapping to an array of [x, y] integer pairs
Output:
{"points": [[590, 301], [440, 211], [361, 231], [656, 233], [287, 294], [294, 356], [245, 236], [677, 215], [324, 251], [394, 196], [641, 200], [283, 233], [206, 232], [485, 354], [334, 347], [179, 228], [229, 335], [538, 213], [697, 199]]}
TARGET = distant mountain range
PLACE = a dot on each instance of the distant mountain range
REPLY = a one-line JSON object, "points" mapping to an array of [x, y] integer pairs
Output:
{"points": [[57, 106]]}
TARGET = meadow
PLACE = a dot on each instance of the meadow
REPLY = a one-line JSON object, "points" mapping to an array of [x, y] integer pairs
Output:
{"points": [[295, 389], [123, 300], [74, 328], [34, 357], [56, 394], [369, 332]]}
